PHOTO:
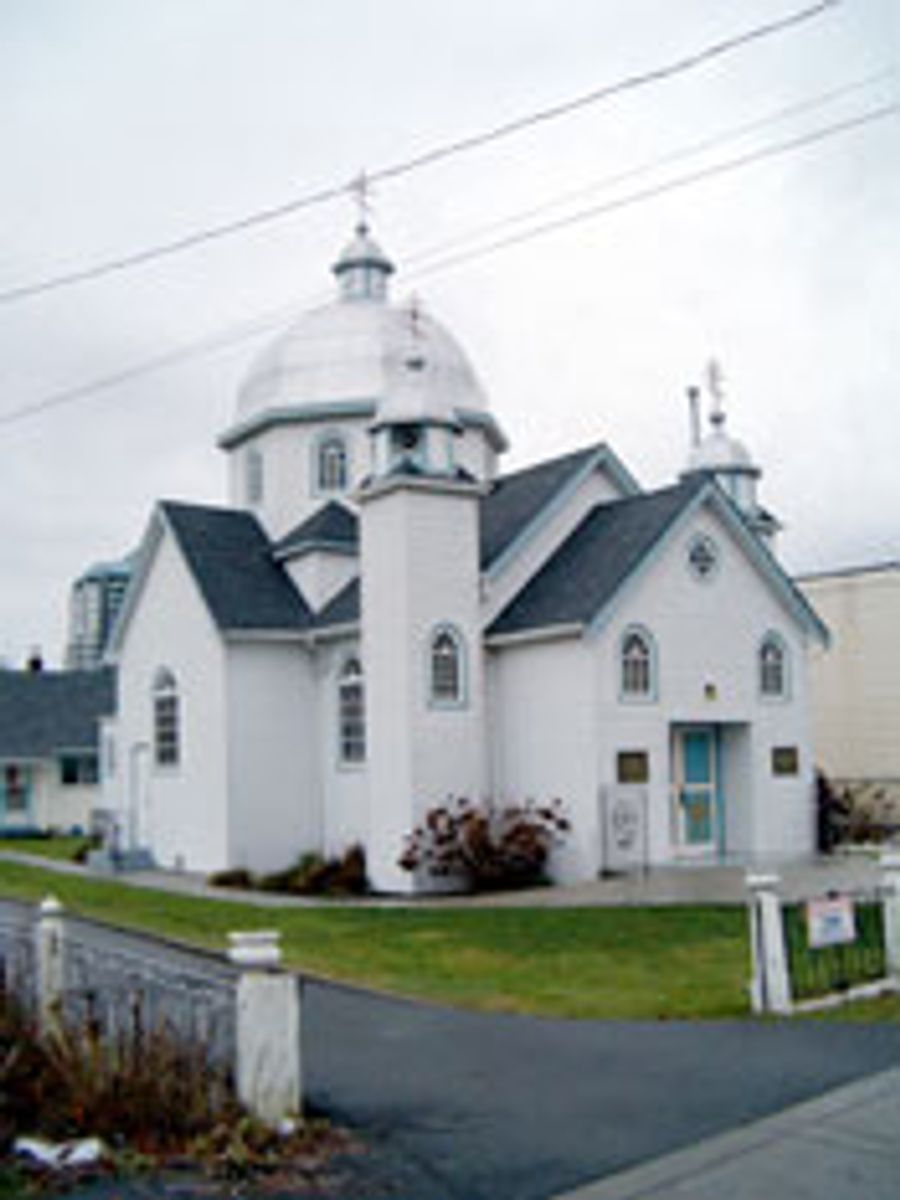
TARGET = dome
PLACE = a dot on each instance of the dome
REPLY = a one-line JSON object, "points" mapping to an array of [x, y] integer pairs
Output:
{"points": [[361, 348], [719, 452], [360, 351]]}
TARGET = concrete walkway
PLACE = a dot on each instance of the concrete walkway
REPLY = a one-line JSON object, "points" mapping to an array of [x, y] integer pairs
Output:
{"points": [[689, 884], [843, 1145]]}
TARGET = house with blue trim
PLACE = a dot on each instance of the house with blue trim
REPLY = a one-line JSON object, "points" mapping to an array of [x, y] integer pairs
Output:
{"points": [[382, 619]]}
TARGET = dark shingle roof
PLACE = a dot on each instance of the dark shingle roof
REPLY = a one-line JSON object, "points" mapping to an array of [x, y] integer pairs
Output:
{"points": [[343, 609], [596, 558], [45, 712], [518, 498], [331, 525], [231, 560]]}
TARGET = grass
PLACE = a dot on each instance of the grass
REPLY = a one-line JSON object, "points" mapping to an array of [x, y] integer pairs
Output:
{"points": [[679, 962], [62, 847], [653, 963]]}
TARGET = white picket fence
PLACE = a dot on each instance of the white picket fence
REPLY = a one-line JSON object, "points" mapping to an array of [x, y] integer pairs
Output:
{"points": [[240, 1010], [774, 986]]}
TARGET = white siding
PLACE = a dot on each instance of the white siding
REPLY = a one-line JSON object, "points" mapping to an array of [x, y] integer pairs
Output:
{"points": [[182, 813], [274, 813], [345, 797]]}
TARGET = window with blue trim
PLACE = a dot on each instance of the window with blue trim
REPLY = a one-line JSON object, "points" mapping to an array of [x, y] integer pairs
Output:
{"points": [[351, 714], [446, 667], [637, 665], [773, 668], [166, 720], [331, 464]]}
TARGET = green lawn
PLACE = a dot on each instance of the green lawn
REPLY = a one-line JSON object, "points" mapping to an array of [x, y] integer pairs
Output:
{"points": [[615, 963], [638, 963], [47, 847]]}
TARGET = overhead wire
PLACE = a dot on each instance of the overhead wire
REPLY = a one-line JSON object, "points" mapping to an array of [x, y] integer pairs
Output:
{"points": [[259, 325], [416, 162]]}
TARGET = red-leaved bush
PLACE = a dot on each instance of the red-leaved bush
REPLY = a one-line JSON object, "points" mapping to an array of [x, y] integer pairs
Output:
{"points": [[485, 846]]}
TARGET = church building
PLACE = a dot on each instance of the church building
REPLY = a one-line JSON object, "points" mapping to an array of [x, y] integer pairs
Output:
{"points": [[381, 620]]}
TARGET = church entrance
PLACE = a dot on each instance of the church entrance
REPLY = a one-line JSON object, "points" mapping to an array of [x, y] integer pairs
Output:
{"points": [[697, 801]]}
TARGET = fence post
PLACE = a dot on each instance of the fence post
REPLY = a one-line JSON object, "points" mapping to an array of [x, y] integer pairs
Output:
{"points": [[770, 990], [890, 881], [268, 1067], [49, 950]]}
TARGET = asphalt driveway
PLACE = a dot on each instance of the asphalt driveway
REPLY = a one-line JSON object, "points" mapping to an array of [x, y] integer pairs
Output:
{"points": [[469, 1106]]}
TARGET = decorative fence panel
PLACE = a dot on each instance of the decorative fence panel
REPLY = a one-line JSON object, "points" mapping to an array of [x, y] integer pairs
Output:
{"points": [[827, 949], [238, 1014]]}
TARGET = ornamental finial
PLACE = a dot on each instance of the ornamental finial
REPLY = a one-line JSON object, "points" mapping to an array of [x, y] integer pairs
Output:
{"points": [[715, 385]]}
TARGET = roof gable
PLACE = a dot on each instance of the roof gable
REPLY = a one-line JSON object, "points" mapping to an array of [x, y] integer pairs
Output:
{"points": [[46, 713], [332, 527], [517, 502], [230, 559]]}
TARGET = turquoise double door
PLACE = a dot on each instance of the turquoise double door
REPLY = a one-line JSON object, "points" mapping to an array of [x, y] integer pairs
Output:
{"points": [[697, 790]]}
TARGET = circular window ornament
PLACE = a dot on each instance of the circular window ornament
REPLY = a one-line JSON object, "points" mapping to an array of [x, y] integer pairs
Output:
{"points": [[703, 557]]}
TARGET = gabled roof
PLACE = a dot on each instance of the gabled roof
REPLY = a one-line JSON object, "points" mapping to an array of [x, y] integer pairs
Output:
{"points": [[342, 609], [593, 562], [611, 543], [230, 558], [46, 713], [332, 527], [517, 500]]}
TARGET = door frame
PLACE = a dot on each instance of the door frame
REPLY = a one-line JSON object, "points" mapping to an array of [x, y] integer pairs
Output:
{"points": [[682, 848]]}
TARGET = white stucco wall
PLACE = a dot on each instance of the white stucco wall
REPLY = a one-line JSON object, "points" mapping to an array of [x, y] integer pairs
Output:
{"points": [[544, 739], [288, 454], [419, 570], [182, 810], [273, 801], [856, 681]]}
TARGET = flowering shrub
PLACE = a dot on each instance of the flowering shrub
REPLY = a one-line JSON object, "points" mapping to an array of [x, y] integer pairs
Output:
{"points": [[486, 847]]}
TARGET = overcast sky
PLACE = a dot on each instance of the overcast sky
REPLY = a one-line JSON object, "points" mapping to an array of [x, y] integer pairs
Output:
{"points": [[127, 123]]}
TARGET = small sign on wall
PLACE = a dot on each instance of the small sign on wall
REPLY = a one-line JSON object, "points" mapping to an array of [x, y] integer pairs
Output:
{"points": [[830, 922]]}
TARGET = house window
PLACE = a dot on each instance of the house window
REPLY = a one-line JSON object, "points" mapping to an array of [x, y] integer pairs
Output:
{"points": [[446, 667], [331, 464], [637, 665], [78, 769], [166, 720], [772, 668], [15, 788], [254, 482], [351, 713]]}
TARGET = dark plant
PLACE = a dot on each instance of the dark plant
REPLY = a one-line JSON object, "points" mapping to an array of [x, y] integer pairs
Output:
{"points": [[486, 847], [314, 875], [833, 812], [232, 877]]}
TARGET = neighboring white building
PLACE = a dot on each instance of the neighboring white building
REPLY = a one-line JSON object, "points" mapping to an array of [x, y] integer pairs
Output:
{"points": [[49, 735], [381, 621], [856, 685]]}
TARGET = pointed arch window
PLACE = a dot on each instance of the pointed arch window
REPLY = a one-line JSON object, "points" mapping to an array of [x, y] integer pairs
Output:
{"points": [[446, 666], [637, 665], [331, 464], [166, 719], [351, 714], [773, 668]]}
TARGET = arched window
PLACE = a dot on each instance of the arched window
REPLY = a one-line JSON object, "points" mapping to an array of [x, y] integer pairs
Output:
{"points": [[253, 466], [331, 464], [351, 713], [637, 665], [446, 667], [773, 667], [166, 720]]}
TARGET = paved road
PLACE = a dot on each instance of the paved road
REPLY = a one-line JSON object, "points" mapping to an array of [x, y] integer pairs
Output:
{"points": [[482, 1107]]}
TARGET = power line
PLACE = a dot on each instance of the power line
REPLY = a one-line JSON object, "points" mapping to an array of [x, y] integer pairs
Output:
{"points": [[260, 325], [682, 181], [427, 158]]}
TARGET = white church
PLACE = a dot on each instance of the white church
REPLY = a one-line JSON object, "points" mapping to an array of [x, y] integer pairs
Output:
{"points": [[381, 620]]}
